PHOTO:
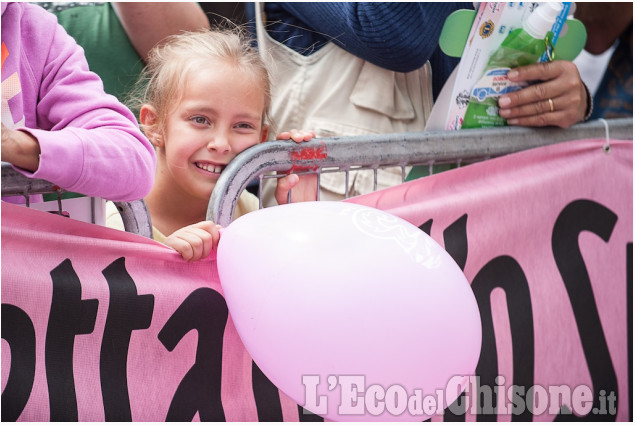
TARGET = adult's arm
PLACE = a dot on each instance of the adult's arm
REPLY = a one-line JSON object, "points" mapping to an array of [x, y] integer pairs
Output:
{"points": [[89, 141], [397, 36], [148, 23]]}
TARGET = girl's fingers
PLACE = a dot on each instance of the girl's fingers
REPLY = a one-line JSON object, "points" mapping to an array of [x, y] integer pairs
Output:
{"points": [[285, 135], [196, 241], [285, 184], [297, 136], [181, 244]]}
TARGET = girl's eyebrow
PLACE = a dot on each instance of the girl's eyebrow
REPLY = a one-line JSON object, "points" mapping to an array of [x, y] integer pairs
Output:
{"points": [[209, 109], [196, 108], [248, 116]]}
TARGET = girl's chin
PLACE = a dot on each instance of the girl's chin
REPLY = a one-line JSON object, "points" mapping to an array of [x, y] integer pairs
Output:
{"points": [[199, 192], [205, 194]]}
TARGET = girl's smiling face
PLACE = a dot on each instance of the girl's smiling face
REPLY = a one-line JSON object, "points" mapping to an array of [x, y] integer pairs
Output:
{"points": [[220, 114]]}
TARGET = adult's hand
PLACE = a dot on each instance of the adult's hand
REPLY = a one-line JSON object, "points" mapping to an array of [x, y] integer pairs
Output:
{"points": [[305, 186], [20, 149], [559, 98]]}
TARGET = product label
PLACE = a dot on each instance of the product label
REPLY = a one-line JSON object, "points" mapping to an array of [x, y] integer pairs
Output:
{"points": [[482, 110], [494, 84]]}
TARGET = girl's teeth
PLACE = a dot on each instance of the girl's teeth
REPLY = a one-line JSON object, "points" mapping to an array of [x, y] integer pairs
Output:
{"points": [[210, 168]]}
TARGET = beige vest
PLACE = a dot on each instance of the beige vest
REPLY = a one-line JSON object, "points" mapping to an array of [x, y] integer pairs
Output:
{"points": [[335, 93]]}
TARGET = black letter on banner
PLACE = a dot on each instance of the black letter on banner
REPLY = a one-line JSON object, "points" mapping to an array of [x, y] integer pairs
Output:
{"points": [[506, 273], [70, 316], [455, 239], [305, 416], [127, 311], [200, 390], [426, 227], [267, 396], [579, 216], [18, 331]]}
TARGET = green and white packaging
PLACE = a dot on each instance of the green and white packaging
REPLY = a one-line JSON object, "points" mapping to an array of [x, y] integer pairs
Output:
{"points": [[503, 36]]}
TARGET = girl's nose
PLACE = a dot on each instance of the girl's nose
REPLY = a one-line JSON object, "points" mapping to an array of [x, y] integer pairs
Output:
{"points": [[219, 143]]}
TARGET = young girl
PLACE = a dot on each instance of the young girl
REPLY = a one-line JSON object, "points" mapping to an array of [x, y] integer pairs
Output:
{"points": [[204, 100]]}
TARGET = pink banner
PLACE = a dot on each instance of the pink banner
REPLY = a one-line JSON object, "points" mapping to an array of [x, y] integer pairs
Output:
{"points": [[103, 325], [545, 239], [100, 325]]}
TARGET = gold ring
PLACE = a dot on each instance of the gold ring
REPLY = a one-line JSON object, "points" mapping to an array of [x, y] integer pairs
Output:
{"points": [[550, 104]]}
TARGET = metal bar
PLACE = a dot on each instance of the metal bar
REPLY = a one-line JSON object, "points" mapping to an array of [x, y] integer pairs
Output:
{"points": [[375, 178], [392, 150], [135, 215], [93, 211], [14, 183]]}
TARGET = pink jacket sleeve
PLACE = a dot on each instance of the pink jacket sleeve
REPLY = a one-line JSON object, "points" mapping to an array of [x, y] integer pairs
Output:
{"points": [[90, 142]]}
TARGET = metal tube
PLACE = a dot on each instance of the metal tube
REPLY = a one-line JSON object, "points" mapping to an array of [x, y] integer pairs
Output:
{"points": [[392, 150]]}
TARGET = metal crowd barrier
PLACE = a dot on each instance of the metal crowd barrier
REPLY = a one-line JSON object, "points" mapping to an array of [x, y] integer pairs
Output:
{"points": [[134, 214], [345, 154]]}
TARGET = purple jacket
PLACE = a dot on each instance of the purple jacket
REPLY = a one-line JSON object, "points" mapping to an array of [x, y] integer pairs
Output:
{"points": [[90, 142]]}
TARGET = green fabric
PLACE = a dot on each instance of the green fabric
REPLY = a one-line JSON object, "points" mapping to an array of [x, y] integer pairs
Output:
{"points": [[419, 171], [108, 50], [65, 195]]}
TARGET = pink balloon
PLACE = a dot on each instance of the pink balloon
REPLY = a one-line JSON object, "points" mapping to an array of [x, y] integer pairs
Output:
{"points": [[352, 312]]}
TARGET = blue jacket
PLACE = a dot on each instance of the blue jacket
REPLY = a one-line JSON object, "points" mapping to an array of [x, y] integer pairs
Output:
{"points": [[397, 36]]}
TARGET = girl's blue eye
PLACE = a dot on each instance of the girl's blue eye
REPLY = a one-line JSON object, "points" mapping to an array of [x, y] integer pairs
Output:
{"points": [[244, 125], [199, 120]]}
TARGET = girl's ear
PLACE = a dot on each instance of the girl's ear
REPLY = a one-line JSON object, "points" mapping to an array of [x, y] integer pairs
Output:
{"points": [[264, 133], [149, 123]]}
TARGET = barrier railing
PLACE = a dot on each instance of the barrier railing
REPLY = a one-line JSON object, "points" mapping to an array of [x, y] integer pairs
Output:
{"points": [[134, 214], [345, 154]]}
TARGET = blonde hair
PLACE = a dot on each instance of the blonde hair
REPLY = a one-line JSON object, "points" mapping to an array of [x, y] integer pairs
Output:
{"points": [[163, 80]]}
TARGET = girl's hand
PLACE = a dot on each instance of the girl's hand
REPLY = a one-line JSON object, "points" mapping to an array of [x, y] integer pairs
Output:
{"points": [[196, 241], [532, 107], [305, 186], [297, 136]]}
